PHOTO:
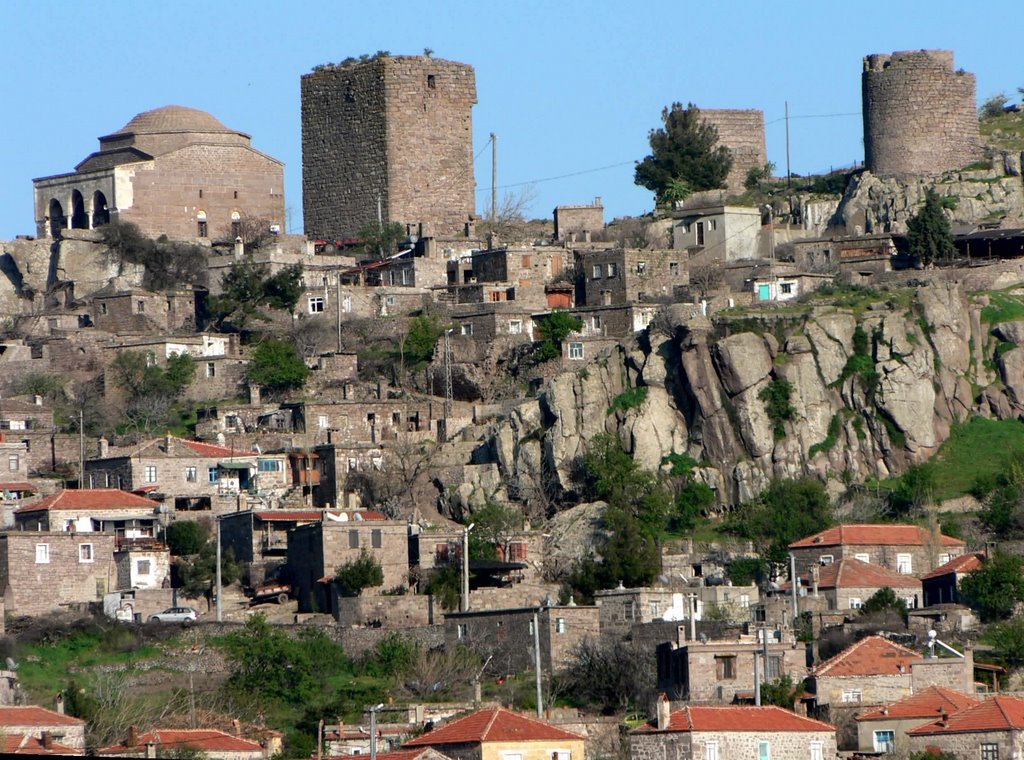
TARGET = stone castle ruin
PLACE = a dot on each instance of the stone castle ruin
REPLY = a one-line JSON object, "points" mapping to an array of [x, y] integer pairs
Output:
{"points": [[394, 135], [919, 114], [172, 171], [742, 132]]}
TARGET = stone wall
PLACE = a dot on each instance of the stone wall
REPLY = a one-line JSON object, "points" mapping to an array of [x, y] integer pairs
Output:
{"points": [[919, 114], [969, 744], [582, 220], [742, 132], [394, 130]]}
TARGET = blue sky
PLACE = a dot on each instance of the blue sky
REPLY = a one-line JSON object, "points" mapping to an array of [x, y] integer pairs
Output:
{"points": [[571, 88]]}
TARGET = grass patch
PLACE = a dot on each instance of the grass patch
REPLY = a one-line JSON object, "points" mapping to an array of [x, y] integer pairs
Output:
{"points": [[1004, 131], [1003, 307], [835, 427], [976, 449], [629, 399]]}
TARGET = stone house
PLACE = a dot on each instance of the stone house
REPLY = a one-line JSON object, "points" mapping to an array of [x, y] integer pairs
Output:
{"points": [[942, 585], [847, 583], [126, 516], [16, 415], [172, 171], [13, 460], [579, 220], [725, 732], [490, 321], [259, 538], [316, 550], [905, 549], [126, 311], [23, 744], [866, 255], [719, 671], [45, 571], [187, 475], [212, 743], [143, 565], [622, 608], [625, 276], [47, 726], [521, 273], [507, 634], [719, 234], [989, 730], [499, 734], [614, 321], [370, 422], [337, 463], [884, 729]]}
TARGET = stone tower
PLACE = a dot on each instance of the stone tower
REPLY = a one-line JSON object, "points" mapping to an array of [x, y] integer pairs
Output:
{"points": [[742, 132], [394, 131], [920, 115]]}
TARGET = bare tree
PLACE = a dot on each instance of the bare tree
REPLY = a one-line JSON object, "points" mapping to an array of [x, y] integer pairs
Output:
{"points": [[435, 672], [404, 471], [511, 218], [634, 232], [705, 278], [254, 231]]}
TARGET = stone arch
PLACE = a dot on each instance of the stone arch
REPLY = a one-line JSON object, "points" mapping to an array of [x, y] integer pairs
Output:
{"points": [[100, 211], [79, 219], [57, 219], [203, 230], [236, 224]]}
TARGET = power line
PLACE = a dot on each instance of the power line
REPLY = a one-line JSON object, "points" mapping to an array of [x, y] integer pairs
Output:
{"points": [[813, 116], [560, 176]]}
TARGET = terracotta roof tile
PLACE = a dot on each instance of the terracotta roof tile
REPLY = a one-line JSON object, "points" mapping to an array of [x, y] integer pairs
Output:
{"points": [[995, 714], [924, 704], [90, 499], [871, 656], [25, 744], [965, 563], [271, 515], [33, 715], [495, 724], [205, 739], [853, 573], [879, 534], [738, 718]]}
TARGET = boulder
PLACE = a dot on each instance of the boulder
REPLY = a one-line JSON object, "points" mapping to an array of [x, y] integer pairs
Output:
{"points": [[742, 360]]}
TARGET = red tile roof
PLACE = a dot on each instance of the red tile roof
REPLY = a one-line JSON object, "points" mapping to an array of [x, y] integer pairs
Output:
{"points": [[33, 715], [206, 739], [871, 656], [995, 714], [495, 724], [17, 486], [868, 535], [738, 718], [91, 499], [270, 515], [924, 704], [965, 563], [24, 744], [213, 450], [853, 573]]}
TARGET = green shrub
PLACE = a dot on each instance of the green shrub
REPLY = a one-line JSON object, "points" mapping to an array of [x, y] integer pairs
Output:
{"points": [[356, 574], [776, 397], [835, 427], [629, 399]]}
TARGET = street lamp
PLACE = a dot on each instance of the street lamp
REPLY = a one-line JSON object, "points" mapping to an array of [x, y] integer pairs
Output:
{"points": [[464, 601], [373, 730]]}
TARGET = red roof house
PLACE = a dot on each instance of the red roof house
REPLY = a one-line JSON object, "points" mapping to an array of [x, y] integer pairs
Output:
{"points": [[848, 583], [492, 733], [213, 743], [106, 510], [884, 729], [942, 585], [49, 727], [990, 729], [907, 549]]}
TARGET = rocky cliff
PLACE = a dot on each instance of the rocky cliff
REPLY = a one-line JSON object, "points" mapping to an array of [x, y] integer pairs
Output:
{"points": [[873, 386]]}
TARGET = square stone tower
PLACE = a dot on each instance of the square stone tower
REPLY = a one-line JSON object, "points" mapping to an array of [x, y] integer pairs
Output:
{"points": [[395, 131]]}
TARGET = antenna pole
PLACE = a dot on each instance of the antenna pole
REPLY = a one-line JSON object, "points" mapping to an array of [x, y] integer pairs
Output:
{"points": [[494, 180], [789, 174]]}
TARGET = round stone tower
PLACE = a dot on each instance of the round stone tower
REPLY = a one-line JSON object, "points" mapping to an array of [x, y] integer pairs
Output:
{"points": [[919, 113]]}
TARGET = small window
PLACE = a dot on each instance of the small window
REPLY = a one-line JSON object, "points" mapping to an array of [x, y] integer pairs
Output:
{"points": [[150, 476], [353, 539], [673, 268], [711, 750], [322, 421], [764, 751], [13, 461], [376, 538], [700, 233], [462, 630], [826, 559], [389, 300], [431, 82], [103, 308], [641, 267], [140, 306], [598, 272], [42, 554], [211, 369], [856, 603], [236, 195], [774, 666], [862, 557], [346, 303], [725, 668], [613, 271], [203, 230], [515, 326], [269, 465], [211, 474], [191, 475], [904, 564], [817, 750], [596, 321], [560, 625], [575, 351], [85, 553], [466, 328], [316, 304], [852, 695], [143, 567], [654, 608], [396, 418], [786, 288], [989, 751]]}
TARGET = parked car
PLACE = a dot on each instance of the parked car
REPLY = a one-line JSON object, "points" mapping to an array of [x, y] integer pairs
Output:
{"points": [[184, 615]]}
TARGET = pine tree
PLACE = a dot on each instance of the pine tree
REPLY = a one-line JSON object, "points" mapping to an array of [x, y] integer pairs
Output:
{"points": [[929, 233], [685, 156]]}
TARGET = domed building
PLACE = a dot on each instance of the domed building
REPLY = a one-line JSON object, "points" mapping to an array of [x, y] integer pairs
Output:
{"points": [[173, 171]]}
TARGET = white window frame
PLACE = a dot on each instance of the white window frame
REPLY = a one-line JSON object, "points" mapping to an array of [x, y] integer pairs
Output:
{"points": [[764, 750], [211, 369], [466, 328], [42, 554], [515, 327], [191, 474], [711, 750], [462, 630], [641, 267], [346, 303], [988, 751], [576, 351], [817, 750], [613, 270], [863, 557], [856, 602], [826, 559], [888, 745], [322, 421], [597, 272], [561, 754], [905, 563], [13, 462], [316, 304], [86, 553], [852, 696], [150, 474], [560, 626]]}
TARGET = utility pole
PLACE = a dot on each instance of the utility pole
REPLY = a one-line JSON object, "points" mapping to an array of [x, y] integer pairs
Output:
{"points": [[448, 389], [494, 180], [81, 449], [373, 730], [464, 598], [793, 583], [789, 174], [536, 664], [219, 607], [337, 307]]}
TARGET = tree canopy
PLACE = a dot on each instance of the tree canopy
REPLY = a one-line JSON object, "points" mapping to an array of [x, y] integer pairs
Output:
{"points": [[553, 329], [356, 574], [685, 156], [381, 240], [785, 511], [929, 234], [246, 288], [995, 589], [276, 366]]}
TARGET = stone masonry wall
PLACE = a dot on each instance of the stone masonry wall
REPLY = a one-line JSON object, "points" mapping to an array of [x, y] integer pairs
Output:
{"points": [[742, 132], [394, 128], [919, 114]]}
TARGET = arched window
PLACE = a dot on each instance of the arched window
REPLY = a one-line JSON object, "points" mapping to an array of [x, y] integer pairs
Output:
{"points": [[236, 224], [100, 212], [57, 219], [201, 221], [79, 219]]}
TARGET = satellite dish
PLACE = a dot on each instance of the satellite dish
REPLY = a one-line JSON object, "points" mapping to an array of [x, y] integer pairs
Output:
{"points": [[12, 664]]}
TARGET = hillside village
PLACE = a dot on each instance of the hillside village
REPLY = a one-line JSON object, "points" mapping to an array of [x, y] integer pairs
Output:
{"points": [[739, 478]]}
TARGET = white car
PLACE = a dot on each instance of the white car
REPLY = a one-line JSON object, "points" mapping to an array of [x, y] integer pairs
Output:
{"points": [[184, 615]]}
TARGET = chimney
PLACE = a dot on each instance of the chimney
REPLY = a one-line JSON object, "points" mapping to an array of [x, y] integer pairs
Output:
{"points": [[150, 750], [254, 394], [37, 400], [133, 737], [58, 703], [664, 712], [239, 248], [167, 443], [46, 738], [236, 727], [102, 448]]}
